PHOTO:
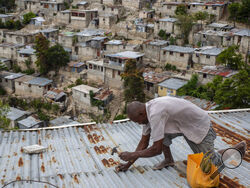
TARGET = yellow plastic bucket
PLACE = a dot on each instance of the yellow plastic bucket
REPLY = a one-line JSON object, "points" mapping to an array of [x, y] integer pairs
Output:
{"points": [[195, 177]]}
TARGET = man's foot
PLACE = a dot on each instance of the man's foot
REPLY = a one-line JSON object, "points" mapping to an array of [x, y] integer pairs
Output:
{"points": [[163, 164], [241, 146]]}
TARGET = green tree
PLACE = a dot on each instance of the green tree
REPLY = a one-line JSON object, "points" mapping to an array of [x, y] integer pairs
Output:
{"points": [[27, 17], [181, 10], [4, 121], [231, 58], [18, 25], [189, 87], [163, 35], [41, 47], [133, 82], [57, 57], [202, 16], [234, 11], [185, 24]]}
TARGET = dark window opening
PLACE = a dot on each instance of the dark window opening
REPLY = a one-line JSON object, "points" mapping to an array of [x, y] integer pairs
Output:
{"points": [[208, 56], [204, 75], [171, 53], [181, 54]]}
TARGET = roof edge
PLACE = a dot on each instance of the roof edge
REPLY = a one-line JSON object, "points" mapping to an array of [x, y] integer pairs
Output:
{"points": [[227, 111]]}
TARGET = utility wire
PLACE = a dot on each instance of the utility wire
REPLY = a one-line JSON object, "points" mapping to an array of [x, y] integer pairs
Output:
{"points": [[31, 181]]}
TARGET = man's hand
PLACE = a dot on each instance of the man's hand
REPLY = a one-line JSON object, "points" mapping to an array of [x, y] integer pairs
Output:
{"points": [[128, 156], [122, 167]]}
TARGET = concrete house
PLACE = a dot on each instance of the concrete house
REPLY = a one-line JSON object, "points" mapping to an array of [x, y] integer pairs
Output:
{"points": [[95, 71], [37, 21], [50, 7], [18, 37], [32, 86], [7, 80], [170, 86], [139, 4], [5, 17], [114, 66], [66, 39], [91, 49], [32, 5], [51, 34], [152, 79], [15, 115], [29, 123], [76, 67], [242, 38], [206, 55], [152, 49], [168, 25], [82, 5], [9, 50], [207, 73], [117, 10], [5, 62], [106, 20], [55, 95], [88, 34], [179, 56], [81, 18], [218, 27], [63, 17], [114, 46], [146, 14], [26, 54], [81, 95]]}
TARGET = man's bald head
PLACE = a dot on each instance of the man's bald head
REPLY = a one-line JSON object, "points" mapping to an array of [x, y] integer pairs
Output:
{"points": [[137, 112]]}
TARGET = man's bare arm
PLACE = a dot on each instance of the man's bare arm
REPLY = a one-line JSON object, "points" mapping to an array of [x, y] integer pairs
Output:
{"points": [[155, 149]]}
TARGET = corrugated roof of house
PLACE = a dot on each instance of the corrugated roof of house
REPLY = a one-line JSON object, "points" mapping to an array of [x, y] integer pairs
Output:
{"points": [[62, 120], [40, 81], [15, 113], [80, 156], [243, 32], [180, 49], [168, 20], [29, 122], [173, 83], [114, 42], [29, 51], [159, 42]]}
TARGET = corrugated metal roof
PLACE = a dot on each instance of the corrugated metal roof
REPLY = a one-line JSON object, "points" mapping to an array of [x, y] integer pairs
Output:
{"points": [[5, 16], [15, 114], [243, 32], [79, 156], [217, 25], [180, 49], [29, 122], [63, 120], [40, 81], [159, 42], [173, 83], [91, 32], [168, 20], [213, 51], [30, 51], [114, 42]]}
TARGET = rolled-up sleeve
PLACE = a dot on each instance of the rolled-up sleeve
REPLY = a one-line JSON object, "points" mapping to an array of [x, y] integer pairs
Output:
{"points": [[146, 129]]}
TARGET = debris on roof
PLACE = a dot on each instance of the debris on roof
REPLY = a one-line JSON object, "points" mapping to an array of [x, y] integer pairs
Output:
{"points": [[80, 156], [63, 120], [154, 77], [103, 94], [173, 83]]}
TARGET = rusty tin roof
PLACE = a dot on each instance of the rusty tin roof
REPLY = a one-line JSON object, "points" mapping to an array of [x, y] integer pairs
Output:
{"points": [[79, 155]]}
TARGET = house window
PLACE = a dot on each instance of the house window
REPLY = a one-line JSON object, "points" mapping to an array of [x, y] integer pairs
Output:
{"points": [[197, 55], [214, 7], [29, 85], [208, 56], [228, 38], [103, 8], [188, 6], [193, 5], [112, 9], [102, 69], [169, 7], [171, 53], [6, 80], [95, 67], [204, 75], [161, 88], [85, 95], [119, 73], [19, 83], [0, 79], [204, 36], [182, 54], [164, 52], [74, 14], [206, 7], [103, 19], [90, 66]]}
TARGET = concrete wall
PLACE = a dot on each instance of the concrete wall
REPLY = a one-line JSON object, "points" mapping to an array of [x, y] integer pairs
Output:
{"points": [[63, 18], [152, 52], [106, 22], [112, 78], [8, 52], [243, 42], [114, 48], [87, 53], [8, 85], [65, 41], [21, 61], [181, 62], [23, 89], [204, 59], [19, 39], [81, 97]]}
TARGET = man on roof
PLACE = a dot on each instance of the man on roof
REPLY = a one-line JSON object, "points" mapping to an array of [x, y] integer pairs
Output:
{"points": [[164, 119]]}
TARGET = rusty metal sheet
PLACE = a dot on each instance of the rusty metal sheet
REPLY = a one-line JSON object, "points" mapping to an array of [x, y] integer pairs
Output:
{"points": [[80, 156]]}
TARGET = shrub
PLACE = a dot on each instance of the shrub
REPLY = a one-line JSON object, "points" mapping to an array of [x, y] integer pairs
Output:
{"points": [[120, 116]]}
